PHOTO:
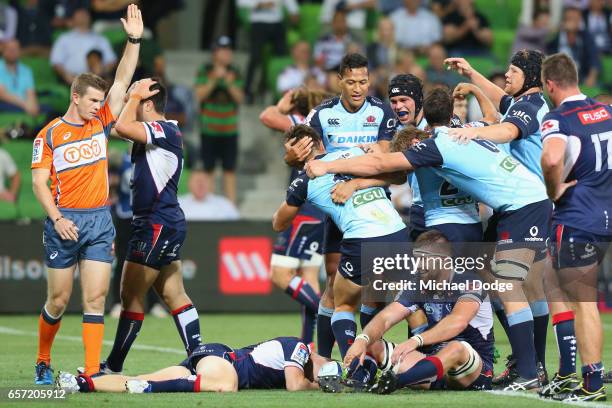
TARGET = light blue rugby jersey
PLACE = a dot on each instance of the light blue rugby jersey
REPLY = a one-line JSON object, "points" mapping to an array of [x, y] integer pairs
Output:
{"points": [[443, 203], [526, 113], [412, 180], [481, 169], [368, 213], [341, 129]]}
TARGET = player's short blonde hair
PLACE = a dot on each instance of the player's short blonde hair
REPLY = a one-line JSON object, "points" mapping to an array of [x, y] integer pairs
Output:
{"points": [[86, 80], [404, 138], [561, 69]]}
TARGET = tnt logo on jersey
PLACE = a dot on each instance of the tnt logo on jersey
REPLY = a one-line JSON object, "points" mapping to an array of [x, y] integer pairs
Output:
{"points": [[243, 267], [80, 153], [300, 354], [37, 150], [594, 116]]}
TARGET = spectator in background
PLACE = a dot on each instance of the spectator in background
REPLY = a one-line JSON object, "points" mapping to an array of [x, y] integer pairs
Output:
{"points": [[302, 68], [95, 64], [356, 14], [34, 28], [466, 30], [219, 92], [267, 27], [17, 92], [69, 52], [332, 83], [531, 8], [436, 70], [406, 64], [10, 179], [534, 36], [64, 10], [382, 54], [201, 205], [598, 22], [415, 26], [578, 44], [330, 49], [8, 22], [442, 8], [389, 6]]}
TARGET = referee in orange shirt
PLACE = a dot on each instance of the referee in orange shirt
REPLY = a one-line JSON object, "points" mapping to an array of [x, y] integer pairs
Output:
{"points": [[72, 152]]}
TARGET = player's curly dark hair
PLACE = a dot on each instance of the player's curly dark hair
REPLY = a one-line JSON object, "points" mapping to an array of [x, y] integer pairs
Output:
{"points": [[352, 61], [159, 99], [404, 139]]}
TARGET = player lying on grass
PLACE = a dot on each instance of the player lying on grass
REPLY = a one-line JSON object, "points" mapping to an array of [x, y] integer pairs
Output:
{"points": [[460, 333], [369, 217], [282, 362]]}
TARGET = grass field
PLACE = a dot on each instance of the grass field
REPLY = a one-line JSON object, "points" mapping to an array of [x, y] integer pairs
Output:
{"points": [[158, 345]]}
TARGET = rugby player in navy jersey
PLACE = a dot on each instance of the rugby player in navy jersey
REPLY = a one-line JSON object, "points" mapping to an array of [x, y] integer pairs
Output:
{"points": [[522, 106], [279, 363], [158, 224], [345, 121], [296, 258], [460, 332], [577, 166]]}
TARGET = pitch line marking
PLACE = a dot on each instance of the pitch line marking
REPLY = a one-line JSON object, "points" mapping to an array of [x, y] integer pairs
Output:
{"points": [[17, 332]]}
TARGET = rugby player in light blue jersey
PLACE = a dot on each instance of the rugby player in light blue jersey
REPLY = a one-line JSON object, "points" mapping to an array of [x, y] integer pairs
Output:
{"points": [[346, 121], [369, 217], [523, 107], [495, 181]]}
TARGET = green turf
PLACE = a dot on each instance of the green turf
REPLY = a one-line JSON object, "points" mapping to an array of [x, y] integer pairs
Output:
{"points": [[18, 353]]}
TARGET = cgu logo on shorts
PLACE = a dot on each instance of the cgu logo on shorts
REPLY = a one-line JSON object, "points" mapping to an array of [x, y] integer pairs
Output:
{"points": [[243, 265], [509, 164], [80, 153]]}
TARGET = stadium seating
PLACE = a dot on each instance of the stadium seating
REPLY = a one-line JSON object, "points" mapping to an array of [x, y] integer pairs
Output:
{"points": [[502, 45], [276, 65]]}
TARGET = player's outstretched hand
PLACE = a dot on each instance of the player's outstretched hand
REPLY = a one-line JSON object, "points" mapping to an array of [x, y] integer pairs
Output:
{"points": [[357, 350], [460, 65], [463, 136], [402, 350], [341, 192], [66, 229], [297, 152], [315, 168], [132, 23], [462, 90], [142, 88]]}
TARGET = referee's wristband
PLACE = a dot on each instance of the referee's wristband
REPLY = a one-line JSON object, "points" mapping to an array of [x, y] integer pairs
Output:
{"points": [[134, 40], [57, 219], [363, 336], [419, 339]]}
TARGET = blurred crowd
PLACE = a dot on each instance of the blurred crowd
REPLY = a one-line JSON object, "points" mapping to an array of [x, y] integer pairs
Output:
{"points": [[44, 44]]}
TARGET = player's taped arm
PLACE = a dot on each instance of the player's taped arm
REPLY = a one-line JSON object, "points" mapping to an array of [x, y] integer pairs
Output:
{"points": [[133, 27], [283, 217], [296, 381], [42, 192], [391, 315], [370, 164], [453, 324], [553, 154]]}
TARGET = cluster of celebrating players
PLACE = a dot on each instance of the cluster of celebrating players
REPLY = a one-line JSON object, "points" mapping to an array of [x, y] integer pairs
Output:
{"points": [[345, 151]]}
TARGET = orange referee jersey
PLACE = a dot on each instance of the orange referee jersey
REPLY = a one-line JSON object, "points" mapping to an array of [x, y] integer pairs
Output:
{"points": [[77, 158]]}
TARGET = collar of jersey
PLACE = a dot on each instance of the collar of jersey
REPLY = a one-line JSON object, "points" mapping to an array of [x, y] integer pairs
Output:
{"points": [[70, 123], [574, 98], [352, 113]]}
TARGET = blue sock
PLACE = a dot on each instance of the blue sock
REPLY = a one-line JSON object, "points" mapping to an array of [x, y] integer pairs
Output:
{"points": [[424, 371], [188, 324], [520, 334], [366, 313], [301, 291], [592, 376], [501, 315], [325, 334], [178, 385], [363, 373], [539, 310], [563, 324], [127, 330], [344, 327], [309, 322]]}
